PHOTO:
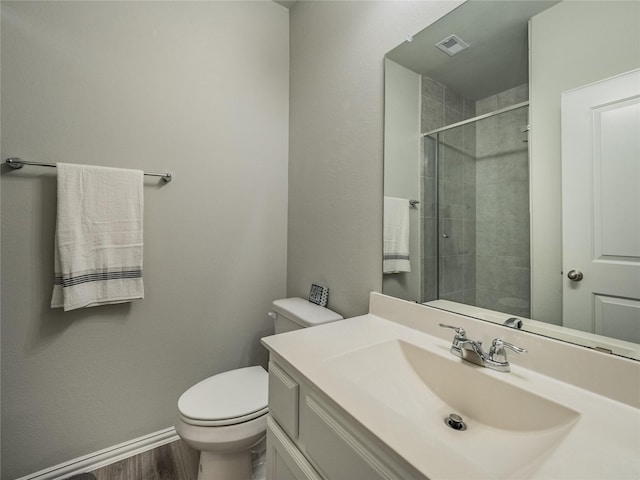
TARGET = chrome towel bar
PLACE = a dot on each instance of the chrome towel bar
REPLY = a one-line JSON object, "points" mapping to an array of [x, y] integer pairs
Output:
{"points": [[18, 163]]}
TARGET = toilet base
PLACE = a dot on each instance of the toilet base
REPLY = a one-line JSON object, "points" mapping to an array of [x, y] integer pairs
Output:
{"points": [[224, 466], [225, 451]]}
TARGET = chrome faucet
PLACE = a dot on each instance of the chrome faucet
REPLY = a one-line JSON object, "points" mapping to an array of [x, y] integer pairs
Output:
{"points": [[471, 350], [513, 322]]}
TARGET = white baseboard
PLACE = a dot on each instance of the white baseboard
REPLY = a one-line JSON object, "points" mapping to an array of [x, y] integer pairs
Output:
{"points": [[107, 456]]}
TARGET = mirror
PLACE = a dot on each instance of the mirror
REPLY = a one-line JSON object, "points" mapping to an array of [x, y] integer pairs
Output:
{"points": [[473, 179]]}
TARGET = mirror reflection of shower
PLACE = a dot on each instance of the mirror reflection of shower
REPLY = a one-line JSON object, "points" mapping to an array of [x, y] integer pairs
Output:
{"points": [[474, 220]]}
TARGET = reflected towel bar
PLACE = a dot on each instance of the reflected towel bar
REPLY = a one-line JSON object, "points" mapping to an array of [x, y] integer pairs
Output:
{"points": [[18, 163]]}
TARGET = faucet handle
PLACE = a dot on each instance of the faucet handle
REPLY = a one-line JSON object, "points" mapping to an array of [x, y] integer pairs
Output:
{"points": [[459, 331], [497, 351]]}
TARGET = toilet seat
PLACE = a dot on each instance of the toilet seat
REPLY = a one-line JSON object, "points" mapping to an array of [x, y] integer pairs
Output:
{"points": [[228, 398]]}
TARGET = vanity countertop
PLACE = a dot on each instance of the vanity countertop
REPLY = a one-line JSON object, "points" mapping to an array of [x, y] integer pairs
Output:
{"points": [[597, 437]]}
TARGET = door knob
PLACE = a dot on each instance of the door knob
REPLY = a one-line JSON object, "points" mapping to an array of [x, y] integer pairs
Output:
{"points": [[575, 275]]}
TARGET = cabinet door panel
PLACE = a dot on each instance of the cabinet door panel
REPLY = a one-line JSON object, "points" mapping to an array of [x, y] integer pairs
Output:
{"points": [[284, 460], [283, 399], [335, 451]]}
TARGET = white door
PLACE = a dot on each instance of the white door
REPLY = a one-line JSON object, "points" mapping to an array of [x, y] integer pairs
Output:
{"points": [[601, 207]]}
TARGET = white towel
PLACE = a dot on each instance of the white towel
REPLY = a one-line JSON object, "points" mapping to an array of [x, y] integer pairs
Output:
{"points": [[396, 235], [98, 245]]}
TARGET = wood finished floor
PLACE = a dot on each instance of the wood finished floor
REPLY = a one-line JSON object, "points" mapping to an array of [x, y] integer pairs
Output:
{"points": [[174, 461]]}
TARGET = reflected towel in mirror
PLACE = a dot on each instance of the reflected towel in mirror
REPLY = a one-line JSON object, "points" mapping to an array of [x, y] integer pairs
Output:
{"points": [[396, 235]]}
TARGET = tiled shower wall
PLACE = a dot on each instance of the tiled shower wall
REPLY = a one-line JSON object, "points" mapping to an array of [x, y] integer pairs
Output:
{"points": [[484, 201], [502, 200], [441, 106]]}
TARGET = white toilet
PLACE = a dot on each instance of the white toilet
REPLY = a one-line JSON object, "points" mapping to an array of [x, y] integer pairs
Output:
{"points": [[224, 416]]}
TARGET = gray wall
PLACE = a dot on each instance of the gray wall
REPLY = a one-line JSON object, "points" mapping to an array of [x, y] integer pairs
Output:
{"points": [[200, 89], [335, 155]]}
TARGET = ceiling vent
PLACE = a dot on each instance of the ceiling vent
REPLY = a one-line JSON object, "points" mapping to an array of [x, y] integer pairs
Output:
{"points": [[452, 45]]}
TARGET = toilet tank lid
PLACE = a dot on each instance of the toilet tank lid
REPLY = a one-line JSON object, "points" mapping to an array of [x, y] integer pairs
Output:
{"points": [[304, 313]]}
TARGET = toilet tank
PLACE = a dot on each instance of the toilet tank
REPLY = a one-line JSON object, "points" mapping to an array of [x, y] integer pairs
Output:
{"points": [[295, 313]]}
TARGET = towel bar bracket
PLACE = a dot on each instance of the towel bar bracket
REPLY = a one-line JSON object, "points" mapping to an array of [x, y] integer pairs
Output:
{"points": [[14, 163]]}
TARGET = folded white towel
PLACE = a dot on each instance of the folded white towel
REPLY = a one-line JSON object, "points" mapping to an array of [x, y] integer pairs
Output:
{"points": [[98, 244], [396, 235]]}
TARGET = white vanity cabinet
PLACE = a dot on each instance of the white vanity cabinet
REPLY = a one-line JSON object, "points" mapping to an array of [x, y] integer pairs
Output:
{"points": [[366, 399], [309, 438]]}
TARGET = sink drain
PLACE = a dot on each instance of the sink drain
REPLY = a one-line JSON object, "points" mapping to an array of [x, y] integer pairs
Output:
{"points": [[455, 421]]}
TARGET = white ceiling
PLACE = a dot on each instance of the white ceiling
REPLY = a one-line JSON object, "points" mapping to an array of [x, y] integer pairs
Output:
{"points": [[497, 57]]}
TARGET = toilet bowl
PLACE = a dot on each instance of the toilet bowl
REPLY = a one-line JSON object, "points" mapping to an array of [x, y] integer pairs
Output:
{"points": [[225, 416]]}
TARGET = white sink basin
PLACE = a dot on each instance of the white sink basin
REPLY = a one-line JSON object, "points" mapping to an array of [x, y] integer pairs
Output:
{"points": [[510, 430]]}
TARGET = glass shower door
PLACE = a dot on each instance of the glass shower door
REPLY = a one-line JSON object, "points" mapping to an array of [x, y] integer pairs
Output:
{"points": [[476, 244]]}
